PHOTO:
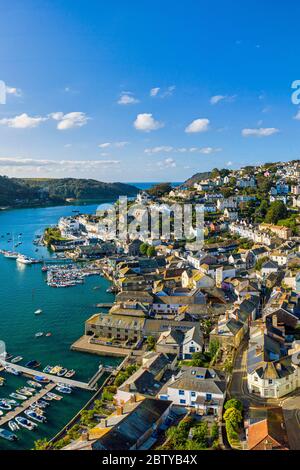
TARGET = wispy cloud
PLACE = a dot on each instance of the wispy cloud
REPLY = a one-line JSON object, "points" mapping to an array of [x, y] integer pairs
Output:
{"points": [[167, 163], [107, 145], [218, 98], [198, 125], [23, 121], [145, 122], [162, 93], [10, 90], [69, 120], [9, 162], [169, 148], [260, 132], [126, 98]]}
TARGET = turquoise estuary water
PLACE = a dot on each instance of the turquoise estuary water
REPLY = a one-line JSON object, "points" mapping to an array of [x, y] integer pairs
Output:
{"points": [[22, 291]]}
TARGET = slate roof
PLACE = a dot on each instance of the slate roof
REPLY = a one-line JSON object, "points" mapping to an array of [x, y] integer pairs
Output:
{"points": [[198, 379], [133, 427]]}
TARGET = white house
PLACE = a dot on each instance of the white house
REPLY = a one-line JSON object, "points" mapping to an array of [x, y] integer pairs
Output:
{"points": [[269, 267], [192, 343], [196, 387]]}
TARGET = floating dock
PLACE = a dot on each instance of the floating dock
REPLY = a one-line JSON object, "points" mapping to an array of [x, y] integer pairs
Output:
{"points": [[90, 386]]}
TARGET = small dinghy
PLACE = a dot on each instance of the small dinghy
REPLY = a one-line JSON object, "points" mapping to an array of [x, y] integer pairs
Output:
{"points": [[26, 423], [13, 426]]}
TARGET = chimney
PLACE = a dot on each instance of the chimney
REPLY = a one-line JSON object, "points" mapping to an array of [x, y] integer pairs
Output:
{"points": [[120, 410], [103, 423], [133, 398]]}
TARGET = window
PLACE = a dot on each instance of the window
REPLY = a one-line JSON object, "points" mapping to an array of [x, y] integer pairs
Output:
{"points": [[193, 394], [208, 396], [182, 402], [270, 381], [181, 392]]}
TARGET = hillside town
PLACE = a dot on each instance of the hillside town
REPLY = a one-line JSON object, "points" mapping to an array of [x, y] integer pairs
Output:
{"points": [[210, 338]]}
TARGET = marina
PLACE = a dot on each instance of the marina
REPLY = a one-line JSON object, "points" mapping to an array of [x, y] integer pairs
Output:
{"points": [[63, 312]]}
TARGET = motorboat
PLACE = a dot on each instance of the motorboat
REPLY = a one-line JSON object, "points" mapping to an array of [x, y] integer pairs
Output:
{"points": [[11, 255], [2, 380], [23, 391], [64, 389], [41, 379], [38, 311], [42, 403], [9, 436], [26, 423], [39, 334], [34, 384], [16, 359], [55, 370], [70, 374], [24, 259], [30, 389], [62, 372], [48, 369], [18, 396], [9, 402], [11, 370], [13, 426], [33, 364], [5, 406], [35, 416], [53, 396]]}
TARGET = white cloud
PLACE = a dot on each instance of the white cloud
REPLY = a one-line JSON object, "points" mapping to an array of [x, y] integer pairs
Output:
{"points": [[198, 125], [127, 98], [106, 145], [162, 148], [23, 121], [209, 150], [13, 91], [169, 148], [64, 164], [260, 132], [121, 144], [69, 120], [146, 123], [167, 163], [162, 93], [154, 91], [218, 98]]}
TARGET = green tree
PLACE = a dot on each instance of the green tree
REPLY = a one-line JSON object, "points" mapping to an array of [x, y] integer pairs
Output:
{"points": [[214, 347], [151, 252], [160, 189], [41, 444], [234, 403], [144, 248], [234, 416], [276, 212], [151, 342]]}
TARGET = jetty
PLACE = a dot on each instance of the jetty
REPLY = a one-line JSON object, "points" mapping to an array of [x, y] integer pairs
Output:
{"points": [[31, 373], [26, 404]]}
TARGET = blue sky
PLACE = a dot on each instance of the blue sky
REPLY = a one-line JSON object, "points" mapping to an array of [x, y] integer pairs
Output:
{"points": [[146, 91]]}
